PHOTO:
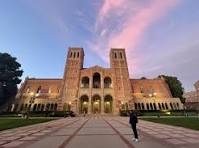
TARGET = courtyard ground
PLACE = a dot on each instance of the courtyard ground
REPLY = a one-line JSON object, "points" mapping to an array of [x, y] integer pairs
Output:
{"points": [[98, 132]]}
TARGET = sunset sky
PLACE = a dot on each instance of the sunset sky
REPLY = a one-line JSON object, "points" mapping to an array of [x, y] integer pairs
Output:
{"points": [[160, 36]]}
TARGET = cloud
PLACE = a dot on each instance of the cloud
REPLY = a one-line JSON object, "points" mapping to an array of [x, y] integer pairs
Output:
{"points": [[123, 23]]}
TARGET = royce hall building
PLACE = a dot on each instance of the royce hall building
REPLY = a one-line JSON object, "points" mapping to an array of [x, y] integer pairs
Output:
{"points": [[95, 90]]}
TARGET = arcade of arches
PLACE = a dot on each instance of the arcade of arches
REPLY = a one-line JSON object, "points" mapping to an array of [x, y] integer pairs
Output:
{"points": [[95, 104]]}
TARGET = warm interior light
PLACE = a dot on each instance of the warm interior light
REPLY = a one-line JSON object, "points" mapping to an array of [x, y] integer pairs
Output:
{"points": [[31, 93], [107, 102], [96, 102]]}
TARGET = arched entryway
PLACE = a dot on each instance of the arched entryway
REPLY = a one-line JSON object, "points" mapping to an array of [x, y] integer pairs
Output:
{"points": [[84, 101], [108, 104], [96, 104]]}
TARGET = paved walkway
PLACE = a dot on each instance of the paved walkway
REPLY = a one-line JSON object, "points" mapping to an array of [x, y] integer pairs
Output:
{"points": [[98, 132]]}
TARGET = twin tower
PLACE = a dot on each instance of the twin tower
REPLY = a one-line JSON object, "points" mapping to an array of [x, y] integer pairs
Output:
{"points": [[95, 89]]}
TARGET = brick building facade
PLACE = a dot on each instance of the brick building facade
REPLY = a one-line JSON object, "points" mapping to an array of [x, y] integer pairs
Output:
{"points": [[95, 89]]}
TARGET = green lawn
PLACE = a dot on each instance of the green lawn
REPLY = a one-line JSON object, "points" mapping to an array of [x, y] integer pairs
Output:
{"points": [[187, 122], [7, 123]]}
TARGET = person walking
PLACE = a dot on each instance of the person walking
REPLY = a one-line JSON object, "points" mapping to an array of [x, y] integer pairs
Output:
{"points": [[133, 120]]}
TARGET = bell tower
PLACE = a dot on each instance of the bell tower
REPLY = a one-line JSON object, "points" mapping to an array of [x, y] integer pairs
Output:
{"points": [[70, 83], [121, 81]]}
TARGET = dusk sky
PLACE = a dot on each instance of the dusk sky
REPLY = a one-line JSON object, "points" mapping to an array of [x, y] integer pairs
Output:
{"points": [[160, 36]]}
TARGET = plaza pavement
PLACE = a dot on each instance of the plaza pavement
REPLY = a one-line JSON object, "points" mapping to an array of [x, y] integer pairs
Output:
{"points": [[98, 132]]}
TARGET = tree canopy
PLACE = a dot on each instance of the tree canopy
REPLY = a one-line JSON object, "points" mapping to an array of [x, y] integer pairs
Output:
{"points": [[175, 87], [10, 74]]}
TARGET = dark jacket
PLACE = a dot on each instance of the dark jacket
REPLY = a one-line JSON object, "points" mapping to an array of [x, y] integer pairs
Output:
{"points": [[133, 119]]}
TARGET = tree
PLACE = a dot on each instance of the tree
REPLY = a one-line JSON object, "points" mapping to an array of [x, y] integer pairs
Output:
{"points": [[10, 74], [175, 87], [143, 78]]}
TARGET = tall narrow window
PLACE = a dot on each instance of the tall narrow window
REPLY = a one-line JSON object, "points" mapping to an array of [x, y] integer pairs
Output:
{"points": [[71, 54], [120, 55], [115, 55], [74, 55], [38, 89], [78, 55]]}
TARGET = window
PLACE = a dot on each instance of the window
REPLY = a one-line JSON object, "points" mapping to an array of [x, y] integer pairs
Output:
{"points": [[115, 55], [96, 80], [78, 55], [71, 54], [38, 90], [107, 82], [143, 108], [28, 89], [151, 106], [142, 90], [159, 105], [136, 107], [120, 55], [147, 106], [74, 55], [85, 82]]}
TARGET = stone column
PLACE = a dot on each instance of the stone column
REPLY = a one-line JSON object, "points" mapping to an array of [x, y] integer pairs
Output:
{"points": [[89, 106], [102, 106]]}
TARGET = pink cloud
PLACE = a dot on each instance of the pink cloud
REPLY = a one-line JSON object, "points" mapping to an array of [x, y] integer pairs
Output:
{"points": [[131, 31], [110, 5]]}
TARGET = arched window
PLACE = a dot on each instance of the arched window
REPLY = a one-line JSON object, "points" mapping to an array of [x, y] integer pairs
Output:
{"points": [[163, 107], [159, 105], [34, 107], [115, 55], [96, 80], [151, 106], [38, 90], [139, 106], [147, 106], [107, 82], [42, 107], [154, 106], [85, 82], [74, 54], [143, 108], [39, 107], [171, 105], [55, 107], [47, 107], [142, 90], [136, 107], [174, 106], [178, 106], [121, 55], [51, 106], [78, 55], [166, 106], [71, 54], [28, 89]]}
